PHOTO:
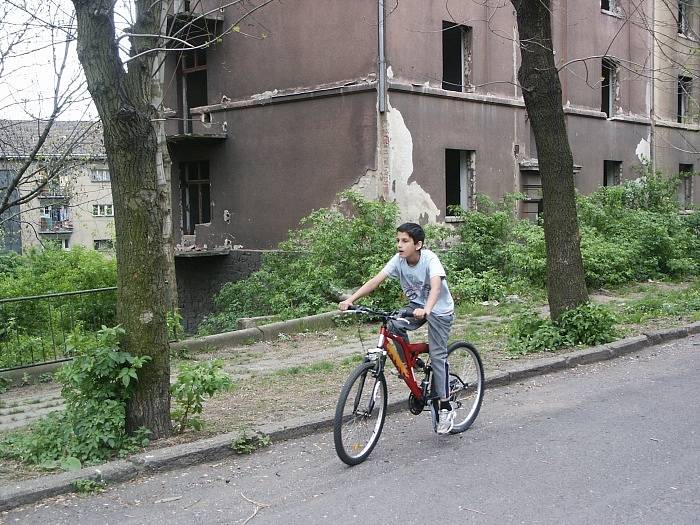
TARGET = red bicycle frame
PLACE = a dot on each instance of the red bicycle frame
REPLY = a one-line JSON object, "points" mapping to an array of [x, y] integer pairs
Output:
{"points": [[389, 341]]}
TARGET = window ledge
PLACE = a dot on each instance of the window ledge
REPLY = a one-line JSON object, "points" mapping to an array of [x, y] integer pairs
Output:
{"points": [[611, 13]]}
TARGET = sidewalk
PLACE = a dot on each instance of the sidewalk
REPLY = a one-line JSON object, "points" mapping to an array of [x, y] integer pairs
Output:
{"points": [[25, 492]]}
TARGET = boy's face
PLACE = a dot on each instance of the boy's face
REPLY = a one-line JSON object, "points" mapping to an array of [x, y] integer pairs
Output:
{"points": [[407, 248]]}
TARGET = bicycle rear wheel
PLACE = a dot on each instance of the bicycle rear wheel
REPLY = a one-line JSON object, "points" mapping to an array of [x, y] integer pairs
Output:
{"points": [[466, 384], [359, 414]]}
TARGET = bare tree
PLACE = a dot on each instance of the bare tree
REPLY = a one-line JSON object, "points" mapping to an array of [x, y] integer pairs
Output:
{"points": [[35, 37]]}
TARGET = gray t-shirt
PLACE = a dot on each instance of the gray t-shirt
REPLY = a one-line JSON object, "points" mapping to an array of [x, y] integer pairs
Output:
{"points": [[415, 280]]}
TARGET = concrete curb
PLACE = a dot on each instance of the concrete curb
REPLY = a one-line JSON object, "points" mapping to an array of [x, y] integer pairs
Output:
{"points": [[218, 447], [260, 333]]}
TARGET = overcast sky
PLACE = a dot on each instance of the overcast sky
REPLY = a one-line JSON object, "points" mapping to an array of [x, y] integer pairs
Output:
{"points": [[28, 73]]}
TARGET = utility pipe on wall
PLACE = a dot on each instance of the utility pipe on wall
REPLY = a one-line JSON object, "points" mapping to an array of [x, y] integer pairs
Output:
{"points": [[381, 86]]}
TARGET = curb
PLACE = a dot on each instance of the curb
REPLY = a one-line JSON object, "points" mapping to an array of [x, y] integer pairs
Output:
{"points": [[218, 447], [265, 332]]}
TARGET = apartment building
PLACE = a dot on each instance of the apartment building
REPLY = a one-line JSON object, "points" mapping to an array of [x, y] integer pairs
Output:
{"points": [[416, 102], [75, 207]]}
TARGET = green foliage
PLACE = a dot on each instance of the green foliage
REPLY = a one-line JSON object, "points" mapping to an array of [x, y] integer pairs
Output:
{"points": [[658, 306], [89, 486], [174, 322], [195, 382], [96, 386], [53, 270], [247, 444], [5, 383], [46, 377], [586, 325], [335, 250]]}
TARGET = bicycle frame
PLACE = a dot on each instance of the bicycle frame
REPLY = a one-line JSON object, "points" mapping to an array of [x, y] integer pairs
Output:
{"points": [[388, 341]]}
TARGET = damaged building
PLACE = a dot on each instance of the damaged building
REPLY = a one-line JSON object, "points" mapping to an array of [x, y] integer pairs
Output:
{"points": [[415, 102]]}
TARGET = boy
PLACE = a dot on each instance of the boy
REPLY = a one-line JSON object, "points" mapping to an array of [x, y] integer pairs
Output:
{"points": [[423, 280]]}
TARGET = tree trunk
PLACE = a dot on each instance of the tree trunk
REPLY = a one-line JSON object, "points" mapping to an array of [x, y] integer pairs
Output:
{"points": [[539, 80], [123, 100]]}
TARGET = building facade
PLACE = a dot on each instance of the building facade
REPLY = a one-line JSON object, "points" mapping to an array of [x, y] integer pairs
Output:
{"points": [[416, 102], [75, 207]]}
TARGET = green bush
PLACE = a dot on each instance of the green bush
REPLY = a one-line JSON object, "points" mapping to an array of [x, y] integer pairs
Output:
{"points": [[194, 382], [96, 386], [586, 325], [335, 250]]}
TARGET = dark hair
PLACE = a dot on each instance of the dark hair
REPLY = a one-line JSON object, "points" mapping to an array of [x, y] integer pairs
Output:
{"points": [[414, 231]]}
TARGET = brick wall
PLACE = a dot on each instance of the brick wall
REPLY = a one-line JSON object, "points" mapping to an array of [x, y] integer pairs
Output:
{"points": [[200, 277]]}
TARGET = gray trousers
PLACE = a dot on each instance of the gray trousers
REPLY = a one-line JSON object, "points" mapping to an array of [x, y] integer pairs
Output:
{"points": [[439, 327]]}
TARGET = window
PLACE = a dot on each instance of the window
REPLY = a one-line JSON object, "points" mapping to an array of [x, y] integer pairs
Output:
{"points": [[103, 244], [195, 188], [194, 77], [99, 175], [610, 6], [102, 210], [456, 56], [459, 179], [612, 171], [685, 85], [685, 188], [608, 87], [682, 19]]}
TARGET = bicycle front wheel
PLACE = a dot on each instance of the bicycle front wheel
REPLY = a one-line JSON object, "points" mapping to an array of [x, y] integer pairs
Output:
{"points": [[359, 414], [466, 384]]}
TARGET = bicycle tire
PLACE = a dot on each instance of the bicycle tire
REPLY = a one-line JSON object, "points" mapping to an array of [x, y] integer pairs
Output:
{"points": [[354, 418], [466, 378]]}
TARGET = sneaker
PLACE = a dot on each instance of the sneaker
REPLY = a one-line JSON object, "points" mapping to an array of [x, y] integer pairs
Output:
{"points": [[446, 419]]}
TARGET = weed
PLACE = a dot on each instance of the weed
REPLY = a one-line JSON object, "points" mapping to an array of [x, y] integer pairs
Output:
{"points": [[247, 444], [26, 380], [5, 383], [86, 487], [46, 377]]}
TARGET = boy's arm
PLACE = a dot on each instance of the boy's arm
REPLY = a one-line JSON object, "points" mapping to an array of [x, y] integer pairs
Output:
{"points": [[365, 289], [435, 287]]}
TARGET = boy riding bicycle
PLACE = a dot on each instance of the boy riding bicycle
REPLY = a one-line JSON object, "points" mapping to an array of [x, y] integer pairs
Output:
{"points": [[423, 280]]}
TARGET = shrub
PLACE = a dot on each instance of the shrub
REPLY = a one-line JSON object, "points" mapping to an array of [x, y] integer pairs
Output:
{"points": [[194, 382], [335, 250], [587, 325], [96, 386]]}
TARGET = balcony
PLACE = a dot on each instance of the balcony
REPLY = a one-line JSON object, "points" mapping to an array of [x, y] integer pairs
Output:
{"points": [[47, 226], [200, 131]]}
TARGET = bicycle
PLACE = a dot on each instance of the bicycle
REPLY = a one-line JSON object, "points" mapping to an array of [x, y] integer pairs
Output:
{"points": [[361, 409]]}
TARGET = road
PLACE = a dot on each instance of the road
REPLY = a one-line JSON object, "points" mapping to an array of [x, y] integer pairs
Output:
{"points": [[611, 443]]}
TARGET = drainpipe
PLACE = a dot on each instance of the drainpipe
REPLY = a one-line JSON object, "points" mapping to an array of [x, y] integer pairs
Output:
{"points": [[381, 86], [652, 113]]}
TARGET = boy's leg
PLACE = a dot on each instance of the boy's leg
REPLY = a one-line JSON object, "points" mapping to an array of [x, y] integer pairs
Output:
{"points": [[439, 327]]}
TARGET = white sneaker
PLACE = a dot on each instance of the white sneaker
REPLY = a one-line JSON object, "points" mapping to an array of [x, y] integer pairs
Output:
{"points": [[446, 419]]}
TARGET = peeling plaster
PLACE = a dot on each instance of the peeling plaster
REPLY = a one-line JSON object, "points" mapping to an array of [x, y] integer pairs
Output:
{"points": [[395, 166], [643, 150]]}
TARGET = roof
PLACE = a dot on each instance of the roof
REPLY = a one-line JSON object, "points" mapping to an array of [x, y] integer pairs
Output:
{"points": [[80, 138]]}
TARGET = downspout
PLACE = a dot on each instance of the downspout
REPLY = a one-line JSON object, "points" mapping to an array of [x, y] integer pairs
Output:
{"points": [[652, 114], [381, 86]]}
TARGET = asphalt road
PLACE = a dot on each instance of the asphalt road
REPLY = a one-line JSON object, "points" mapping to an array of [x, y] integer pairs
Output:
{"points": [[611, 443]]}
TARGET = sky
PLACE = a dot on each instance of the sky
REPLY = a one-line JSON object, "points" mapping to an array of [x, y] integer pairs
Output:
{"points": [[29, 72]]}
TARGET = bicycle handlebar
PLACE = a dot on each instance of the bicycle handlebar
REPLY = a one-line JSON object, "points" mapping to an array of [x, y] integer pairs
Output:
{"points": [[397, 316]]}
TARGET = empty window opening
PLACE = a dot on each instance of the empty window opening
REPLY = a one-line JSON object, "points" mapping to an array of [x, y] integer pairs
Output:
{"points": [[610, 5], [612, 172], [608, 87], [456, 56], [459, 179], [194, 85], [196, 201], [103, 244], [685, 188], [682, 19], [685, 86]]}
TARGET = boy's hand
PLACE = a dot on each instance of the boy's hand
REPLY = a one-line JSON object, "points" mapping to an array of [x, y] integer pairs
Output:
{"points": [[344, 305], [420, 313]]}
